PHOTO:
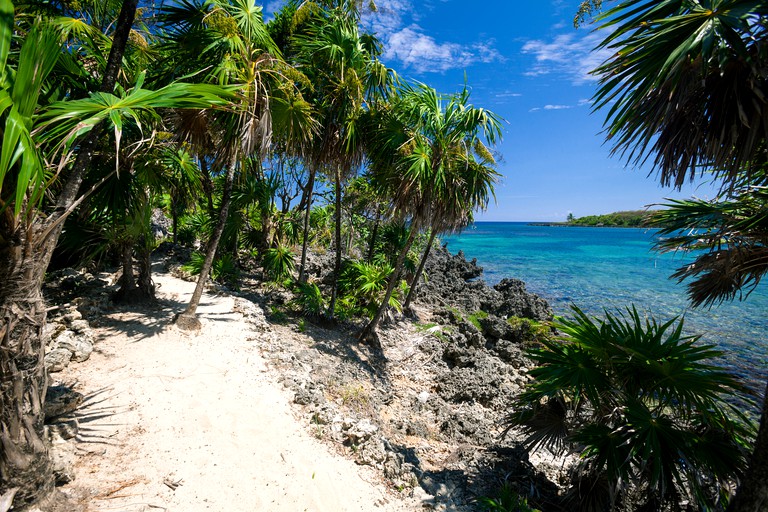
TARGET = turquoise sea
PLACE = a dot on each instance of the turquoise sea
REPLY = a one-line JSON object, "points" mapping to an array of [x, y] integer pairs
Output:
{"points": [[610, 268]]}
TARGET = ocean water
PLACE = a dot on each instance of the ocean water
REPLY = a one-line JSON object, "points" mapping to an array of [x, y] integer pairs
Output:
{"points": [[611, 268]]}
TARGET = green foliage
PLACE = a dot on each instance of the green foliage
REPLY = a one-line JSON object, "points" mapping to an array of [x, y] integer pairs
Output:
{"points": [[309, 300], [195, 263], [278, 262], [705, 58], [475, 318], [506, 501], [728, 236], [627, 219], [530, 330], [643, 406], [364, 284], [223, 270]]}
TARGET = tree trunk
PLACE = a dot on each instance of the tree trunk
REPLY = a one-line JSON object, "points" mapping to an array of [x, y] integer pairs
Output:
{"points": [[207, 186], [175, 221], [369, 332], [412, 291], [188, 320], [372, 246], [305, 240], [146, 285], [25, 465], [337, 263], [752, 494], [127, 280]]}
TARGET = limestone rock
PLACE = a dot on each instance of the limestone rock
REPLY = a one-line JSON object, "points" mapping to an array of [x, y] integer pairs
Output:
{"points": [[57, 359], [63, 458], [78, 344], [60, 400]]}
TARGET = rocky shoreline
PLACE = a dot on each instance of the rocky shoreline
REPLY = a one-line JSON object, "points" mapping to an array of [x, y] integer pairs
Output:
{"points": [[426, 408]]}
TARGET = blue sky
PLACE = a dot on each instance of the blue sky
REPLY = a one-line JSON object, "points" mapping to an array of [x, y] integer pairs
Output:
{"points": [[526, 62]]}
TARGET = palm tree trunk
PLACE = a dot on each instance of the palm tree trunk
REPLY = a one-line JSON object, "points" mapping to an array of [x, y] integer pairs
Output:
{"points": [[145, 283], [372, 243], [25, 465], [127, 280], [207, 186], [305, 241], [412, 291], [337, 263], [752, 494], [188, 320], [370, 329], [175, 221]]}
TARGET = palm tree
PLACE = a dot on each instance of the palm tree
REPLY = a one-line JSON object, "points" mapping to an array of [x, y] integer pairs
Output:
{"points": [[650, 416], [472, 190], [423, 155], [685, 88], [233, 36], [43, 124], [346, 75]]}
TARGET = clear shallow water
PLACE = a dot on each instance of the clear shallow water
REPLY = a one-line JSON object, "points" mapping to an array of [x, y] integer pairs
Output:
{"points": [[610, 268]]}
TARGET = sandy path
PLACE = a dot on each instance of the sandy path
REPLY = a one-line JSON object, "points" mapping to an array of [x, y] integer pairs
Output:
{"points": [[202, 409]]}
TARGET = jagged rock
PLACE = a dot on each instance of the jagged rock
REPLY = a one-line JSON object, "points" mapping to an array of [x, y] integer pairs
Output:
{"points": [[65, 427], [53, 329], [496, 328], [371, 453], [79, 345], [252, 313], [57, 359], [60, 400], [480, 382], [453, 281], [160, 224], [63, 460], [71, 316], [516, 301], [360, 432], [79, 326]]}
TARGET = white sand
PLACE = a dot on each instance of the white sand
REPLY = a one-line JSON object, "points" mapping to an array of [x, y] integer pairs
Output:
{"points": [[203, 410]]}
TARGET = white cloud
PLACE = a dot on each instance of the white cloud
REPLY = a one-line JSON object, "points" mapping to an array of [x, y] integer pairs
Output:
{"points": [[557, 107], [568, 54], [422, 52], [395, 23]]}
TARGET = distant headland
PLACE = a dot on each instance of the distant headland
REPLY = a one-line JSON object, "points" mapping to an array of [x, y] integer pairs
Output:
{"points": [[625, 219]]}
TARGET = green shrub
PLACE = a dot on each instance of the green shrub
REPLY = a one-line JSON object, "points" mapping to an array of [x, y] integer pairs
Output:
{"points": [[195, 263], [641, 404], [530, 330], [278, 262], [507, 501], [309, 300], [224, 270], [363, 285]]}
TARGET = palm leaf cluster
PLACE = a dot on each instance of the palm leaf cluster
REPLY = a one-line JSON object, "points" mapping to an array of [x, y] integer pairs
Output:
{"points": [[653, 419], [686, 85], [728, 238]]}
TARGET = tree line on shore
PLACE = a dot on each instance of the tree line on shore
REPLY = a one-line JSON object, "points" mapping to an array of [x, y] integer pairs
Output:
{"points": [[260, 139]]}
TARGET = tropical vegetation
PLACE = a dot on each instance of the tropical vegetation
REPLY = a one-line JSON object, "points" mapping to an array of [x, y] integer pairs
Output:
{"points": [[684, 90], [653, 421], [626, 219], [273, 146], [258, 140]]}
